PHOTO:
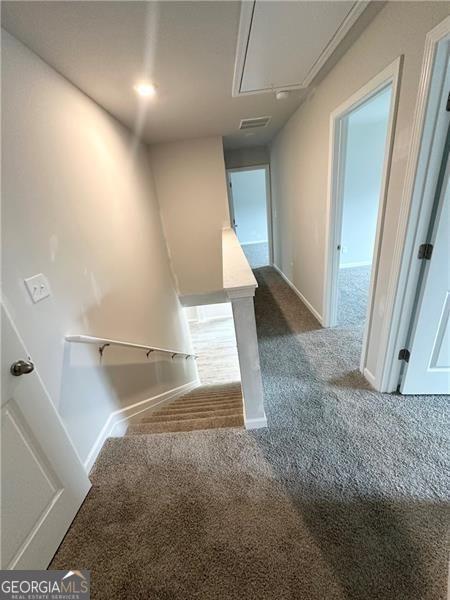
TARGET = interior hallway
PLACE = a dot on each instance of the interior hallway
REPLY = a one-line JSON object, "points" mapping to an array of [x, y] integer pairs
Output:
{"points": [[341, 497]]}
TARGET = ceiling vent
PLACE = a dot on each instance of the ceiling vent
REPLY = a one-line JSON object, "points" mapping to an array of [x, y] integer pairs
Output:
{"points": [[255, 122]]}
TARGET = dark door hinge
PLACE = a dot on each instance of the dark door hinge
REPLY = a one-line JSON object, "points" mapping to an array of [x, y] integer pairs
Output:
{"points": [[404, 354], [448, 103], [425, 251]]}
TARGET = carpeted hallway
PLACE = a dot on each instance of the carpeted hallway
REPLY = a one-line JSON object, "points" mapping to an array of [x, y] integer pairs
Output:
{"points": [[344, 497]]}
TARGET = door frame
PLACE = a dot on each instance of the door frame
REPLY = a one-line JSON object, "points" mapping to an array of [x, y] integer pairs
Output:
{"points": [[388, 76], [422, 169], [266, 168]]}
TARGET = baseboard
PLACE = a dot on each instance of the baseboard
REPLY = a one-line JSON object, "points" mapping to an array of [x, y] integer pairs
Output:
{"points": [[256, 423], [353, 265], [117, 421], [308, 305], [370, 377]]}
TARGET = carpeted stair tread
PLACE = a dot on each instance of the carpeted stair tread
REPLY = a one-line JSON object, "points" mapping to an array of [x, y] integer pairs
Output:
{"points": [[209, 396], [236, 406], [193, 409], [206, 407], [200, 405], [205, 398], [178, 416], [210, 390], [187, 425]]}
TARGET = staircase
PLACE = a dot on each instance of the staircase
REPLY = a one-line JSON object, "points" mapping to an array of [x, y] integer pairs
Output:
{"points": [[206, 407]]}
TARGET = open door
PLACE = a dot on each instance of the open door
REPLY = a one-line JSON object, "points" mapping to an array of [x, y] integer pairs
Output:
{"points": [[428, 368], [43, 482], [250, 212]]}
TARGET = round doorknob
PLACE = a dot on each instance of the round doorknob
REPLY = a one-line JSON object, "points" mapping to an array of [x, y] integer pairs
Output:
{"points": [[21, 367]]}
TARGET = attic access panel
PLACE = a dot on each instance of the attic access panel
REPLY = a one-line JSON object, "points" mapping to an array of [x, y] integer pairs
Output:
{"points": [[283, 45]]}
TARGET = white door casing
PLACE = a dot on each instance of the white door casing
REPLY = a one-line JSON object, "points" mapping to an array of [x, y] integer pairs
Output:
{"points": [[389, 76], [429, 129], [428, 368], [43, 482]]}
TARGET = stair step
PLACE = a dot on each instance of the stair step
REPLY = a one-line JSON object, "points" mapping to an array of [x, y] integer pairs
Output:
{"points": [[186, 425], [196, 408], [207, 411], [184, 400], [158, 418], [189, 402], [215, 389], [211, 396]]}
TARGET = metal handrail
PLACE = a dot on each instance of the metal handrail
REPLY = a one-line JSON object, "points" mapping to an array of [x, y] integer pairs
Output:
{"points": [[105, 342]]}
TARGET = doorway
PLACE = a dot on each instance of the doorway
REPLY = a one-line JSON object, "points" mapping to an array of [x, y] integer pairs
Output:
{"points": [[363, 152], [250, 212], [361, 140]]}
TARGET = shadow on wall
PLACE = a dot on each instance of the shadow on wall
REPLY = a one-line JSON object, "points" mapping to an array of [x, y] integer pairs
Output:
{"points": [[91, 389], [93, 386]]}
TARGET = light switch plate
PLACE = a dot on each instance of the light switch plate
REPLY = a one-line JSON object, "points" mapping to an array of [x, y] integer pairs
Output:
{"points": [[38, 287]]}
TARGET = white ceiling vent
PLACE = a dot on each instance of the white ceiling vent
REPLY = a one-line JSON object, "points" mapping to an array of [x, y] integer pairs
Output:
{"points": [[255, 122]]}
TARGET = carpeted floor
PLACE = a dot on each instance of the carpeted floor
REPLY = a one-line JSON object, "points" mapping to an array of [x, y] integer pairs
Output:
{"points": [[344, 497], [353, 295], [257, 254]]}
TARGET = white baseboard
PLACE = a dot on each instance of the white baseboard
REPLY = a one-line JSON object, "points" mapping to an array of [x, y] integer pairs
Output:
{"points": [[256, 423], [352, 265], [117, 421], [370, 377], [308, 305]]}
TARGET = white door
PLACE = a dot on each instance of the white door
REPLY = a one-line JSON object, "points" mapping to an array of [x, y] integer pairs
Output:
{"points": [[43, 482], [428, 369], [249, 205]]}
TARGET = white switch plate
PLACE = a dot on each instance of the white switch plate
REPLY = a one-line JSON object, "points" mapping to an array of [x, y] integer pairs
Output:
{"points": [[37, 287]]}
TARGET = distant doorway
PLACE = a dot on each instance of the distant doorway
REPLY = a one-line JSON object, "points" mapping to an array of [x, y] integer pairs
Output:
{"points": [[363, 155], [250, 212]]}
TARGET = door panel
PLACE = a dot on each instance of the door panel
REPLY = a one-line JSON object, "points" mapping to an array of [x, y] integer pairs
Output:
{"points": [[249, 199], [43, 482], [428, 369]]}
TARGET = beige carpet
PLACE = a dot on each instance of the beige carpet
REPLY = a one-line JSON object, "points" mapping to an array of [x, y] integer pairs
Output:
{"points": [[206, 407], [186, 516]]}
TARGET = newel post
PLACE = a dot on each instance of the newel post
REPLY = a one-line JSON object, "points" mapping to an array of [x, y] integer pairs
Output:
{"points": [[247, 346]]}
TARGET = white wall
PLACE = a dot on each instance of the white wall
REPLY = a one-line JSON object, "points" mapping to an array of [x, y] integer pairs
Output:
{"points": [[79, 206], [300, 152], [249, 204], [364, 156], [191, 187]]}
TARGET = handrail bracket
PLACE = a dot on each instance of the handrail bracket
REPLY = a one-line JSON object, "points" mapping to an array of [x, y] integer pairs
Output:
{"points": [[102, 348]]}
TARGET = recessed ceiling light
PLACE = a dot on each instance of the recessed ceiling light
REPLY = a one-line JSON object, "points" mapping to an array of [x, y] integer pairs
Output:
{"points": [[145, 89]]}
